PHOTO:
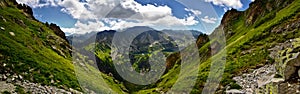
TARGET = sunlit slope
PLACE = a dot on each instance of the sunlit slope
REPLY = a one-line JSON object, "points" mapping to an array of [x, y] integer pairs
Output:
{"points": [[35, 52], [249, 35]]}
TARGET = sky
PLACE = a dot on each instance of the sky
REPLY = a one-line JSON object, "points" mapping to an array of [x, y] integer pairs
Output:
{"points": [[82, 16]]}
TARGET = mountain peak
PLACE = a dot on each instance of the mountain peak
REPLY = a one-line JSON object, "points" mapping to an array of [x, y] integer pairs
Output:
{"points": [[138, 28]]}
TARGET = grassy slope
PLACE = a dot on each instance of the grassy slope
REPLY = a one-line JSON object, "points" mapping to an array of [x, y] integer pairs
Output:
{"points": [[246, 48], [29, 53], [256, 37]]}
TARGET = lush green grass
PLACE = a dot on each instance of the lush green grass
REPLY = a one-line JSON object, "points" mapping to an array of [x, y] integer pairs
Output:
{"points": [[29, 53], [246, 49], [91, 78]]}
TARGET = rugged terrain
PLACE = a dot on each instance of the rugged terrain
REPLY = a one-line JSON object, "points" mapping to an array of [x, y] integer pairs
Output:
{"points": [[36, 57], [253, 37], [262, 54]]}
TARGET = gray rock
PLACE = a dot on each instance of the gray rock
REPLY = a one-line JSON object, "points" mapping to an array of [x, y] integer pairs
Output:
{"points": [[258, 78], [8, 80], [20, 77], [234, 91], [12, 33], [299, 72], [2, 28], [289, 68], [4, 77]]}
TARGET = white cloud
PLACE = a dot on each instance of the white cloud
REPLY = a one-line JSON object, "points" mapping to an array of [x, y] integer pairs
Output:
{"points": [[92, 14], [76, 9], [38, 3], [144, 15], [195, 12], [81, 27], [211, 20], [226, 9], [230, 3]]}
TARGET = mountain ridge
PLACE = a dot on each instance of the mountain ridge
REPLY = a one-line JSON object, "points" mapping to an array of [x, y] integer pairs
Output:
{"points": [[262, 47]]}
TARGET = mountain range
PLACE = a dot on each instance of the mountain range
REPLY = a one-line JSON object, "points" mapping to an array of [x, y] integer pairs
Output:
{"points": [[261, 47]]}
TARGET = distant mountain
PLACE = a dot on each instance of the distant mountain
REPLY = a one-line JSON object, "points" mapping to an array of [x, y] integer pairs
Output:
{"points": [[79, 38], [262, 54], [194, 33], [140, 44]]}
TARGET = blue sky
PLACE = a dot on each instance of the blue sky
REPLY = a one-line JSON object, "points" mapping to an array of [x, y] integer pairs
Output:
{"points": [[81, 16]]}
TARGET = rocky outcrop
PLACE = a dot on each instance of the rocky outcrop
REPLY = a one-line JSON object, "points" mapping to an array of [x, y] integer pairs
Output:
{"points": [[5, 3], [34, 88], [287, 57], [58, 31], [282, 77], [27, 10], [258, 12], [13, 83], [258, 78], [59, 45]]}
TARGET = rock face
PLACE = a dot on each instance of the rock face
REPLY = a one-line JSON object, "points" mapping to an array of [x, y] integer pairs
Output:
{"points": [[257, 9], [57, 31], [33, 88], [280, 78], [299, 73], [5, 3], [288, 58], [27, 10], [258, 78]]}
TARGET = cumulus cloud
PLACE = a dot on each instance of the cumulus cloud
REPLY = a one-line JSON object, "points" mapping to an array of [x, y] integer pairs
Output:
{"points": [[142, 15], [98, 15], [76, 9], [195, 12], [38, 3], [211, 20], [229, 3]]}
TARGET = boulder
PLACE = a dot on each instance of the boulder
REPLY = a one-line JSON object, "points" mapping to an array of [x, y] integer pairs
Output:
{"points": [[234, 91], [290, 66], [299, 72], [12, 33], [2, 28]]}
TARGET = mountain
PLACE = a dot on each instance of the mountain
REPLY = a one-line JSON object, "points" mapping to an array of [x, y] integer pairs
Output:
{"points": [[33, 52], [262, 52], [145, 43], [36, 57], [140, 44], [252, 63], [80, 37]]}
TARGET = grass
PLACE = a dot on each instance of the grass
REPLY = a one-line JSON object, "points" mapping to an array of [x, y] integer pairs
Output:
{"points": [[29, 52], [91, 78], [246, 49]]}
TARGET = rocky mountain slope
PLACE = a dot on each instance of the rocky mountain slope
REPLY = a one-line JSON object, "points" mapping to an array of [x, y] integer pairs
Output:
{"points": [[33, 52], [253, 37], [256, 39], [262, 54], [36, 57]]}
